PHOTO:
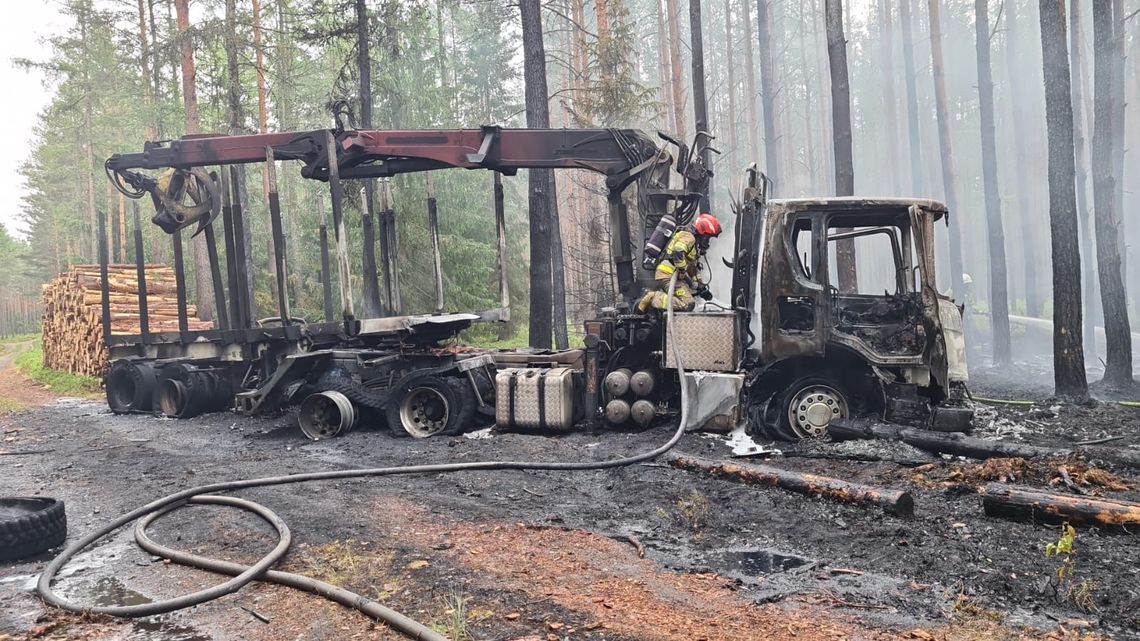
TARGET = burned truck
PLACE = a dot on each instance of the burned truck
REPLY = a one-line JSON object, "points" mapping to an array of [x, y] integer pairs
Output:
{"points": [[785, 347]]}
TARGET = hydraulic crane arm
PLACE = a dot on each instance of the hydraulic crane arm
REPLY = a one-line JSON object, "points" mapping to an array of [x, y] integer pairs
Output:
{"points": [[184, 193], [619, 154]]}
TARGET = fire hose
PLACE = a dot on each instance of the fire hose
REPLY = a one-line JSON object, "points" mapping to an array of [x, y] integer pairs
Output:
{"points": [[261, 570]]}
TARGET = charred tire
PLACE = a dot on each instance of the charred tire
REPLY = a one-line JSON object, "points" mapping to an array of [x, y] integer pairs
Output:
{"points": [[467, 405], [809, 404], [130, 387], [338, 380], [425, 406], [30, 525]]}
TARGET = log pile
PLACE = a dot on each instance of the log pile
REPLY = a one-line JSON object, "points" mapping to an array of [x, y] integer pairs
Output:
{"points": [[72, 318]]}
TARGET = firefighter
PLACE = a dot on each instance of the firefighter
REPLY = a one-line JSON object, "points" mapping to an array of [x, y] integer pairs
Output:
{"points": [[683, 255]]}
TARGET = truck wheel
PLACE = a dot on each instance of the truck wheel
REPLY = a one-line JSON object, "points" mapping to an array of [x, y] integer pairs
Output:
{"points": [[423, 407], [29, 526], [466, 395], [810, 404], [130, 387]]}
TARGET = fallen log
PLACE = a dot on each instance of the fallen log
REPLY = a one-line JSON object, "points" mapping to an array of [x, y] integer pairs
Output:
{"points": [[1028, 504], [954, 443], [958, 444], [895, 502]]}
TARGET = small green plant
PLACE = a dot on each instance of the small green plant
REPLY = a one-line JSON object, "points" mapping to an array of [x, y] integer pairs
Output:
{"points": [[1067, 587], [693, 510], [1065, 552], [454, 626]]}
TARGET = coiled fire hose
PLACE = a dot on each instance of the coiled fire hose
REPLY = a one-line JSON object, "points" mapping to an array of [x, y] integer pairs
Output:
{"points": [[261, 570]]}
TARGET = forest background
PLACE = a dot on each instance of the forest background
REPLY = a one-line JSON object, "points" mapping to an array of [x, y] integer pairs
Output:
{"points": [[117, 79]]}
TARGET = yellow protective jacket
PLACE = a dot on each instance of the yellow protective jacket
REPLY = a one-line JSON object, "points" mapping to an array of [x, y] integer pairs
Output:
{"points": [[680, 255]]}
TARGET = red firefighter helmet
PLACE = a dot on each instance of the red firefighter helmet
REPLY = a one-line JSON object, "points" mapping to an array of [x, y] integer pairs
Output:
{"points": [[706, 225]]}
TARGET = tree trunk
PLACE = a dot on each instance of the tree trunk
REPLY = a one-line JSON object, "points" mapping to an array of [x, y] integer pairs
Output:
{"points": [[373, 302], [827, 152], [911, 100], [750, 86], [890, 110], [1068, 351], [671, 13], [700, 101], [841, 126], [1118, 339], [144, 60], [949, 179], [259, 63], [1118, 136], [1034, 305], [1088, 260], [733, 134], [811, 164], [88, 137], [664, 72], [768, 91], [999, 297], [540, 181], [203, 284]]}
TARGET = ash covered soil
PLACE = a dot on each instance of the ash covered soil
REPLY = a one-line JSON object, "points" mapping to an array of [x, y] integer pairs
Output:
{"points": [[541, 555]]}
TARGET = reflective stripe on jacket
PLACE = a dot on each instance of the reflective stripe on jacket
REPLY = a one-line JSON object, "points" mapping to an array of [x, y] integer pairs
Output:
{"points": [[681, 253]]}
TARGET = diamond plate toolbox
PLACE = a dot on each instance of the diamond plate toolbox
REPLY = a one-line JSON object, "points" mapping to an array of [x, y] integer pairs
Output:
{"points": [[535, 398], [707, 341]]}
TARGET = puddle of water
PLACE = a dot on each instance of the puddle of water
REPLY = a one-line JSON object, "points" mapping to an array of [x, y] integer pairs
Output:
{"points": [[27, 582], [110, 590], [159, 630], [756, 562]]}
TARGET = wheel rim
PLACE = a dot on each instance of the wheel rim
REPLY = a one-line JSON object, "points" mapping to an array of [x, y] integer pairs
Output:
{"points": [[172, 398], [814, 408], [424, 412], [325, 415]]}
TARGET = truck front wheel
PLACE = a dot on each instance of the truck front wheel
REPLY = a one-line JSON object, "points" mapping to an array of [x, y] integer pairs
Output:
{"points": [[810, 404]]}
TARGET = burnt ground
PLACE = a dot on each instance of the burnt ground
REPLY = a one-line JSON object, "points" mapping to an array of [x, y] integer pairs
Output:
{"points": [[538, 555]]}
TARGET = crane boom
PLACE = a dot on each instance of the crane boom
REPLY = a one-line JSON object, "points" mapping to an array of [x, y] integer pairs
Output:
{"points": [[615, 153]]}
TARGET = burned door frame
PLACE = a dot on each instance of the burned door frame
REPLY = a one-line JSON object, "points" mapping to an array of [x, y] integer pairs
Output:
{"points": [[782, 278], [893, 222], [784, 283]]}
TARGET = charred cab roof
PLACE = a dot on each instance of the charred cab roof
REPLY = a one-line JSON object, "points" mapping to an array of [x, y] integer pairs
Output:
{"points": [[856, 204]]}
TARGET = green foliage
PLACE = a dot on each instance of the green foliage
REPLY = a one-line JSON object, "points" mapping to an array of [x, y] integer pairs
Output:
{"points": [[1065, 551], [31, 363], [1081, 592], [454, 627], [615, 96]]}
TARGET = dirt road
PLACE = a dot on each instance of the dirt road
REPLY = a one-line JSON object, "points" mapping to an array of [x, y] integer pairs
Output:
{"points": [[540, 555]]}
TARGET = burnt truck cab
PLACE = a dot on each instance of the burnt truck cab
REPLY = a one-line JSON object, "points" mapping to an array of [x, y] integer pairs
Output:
{"points": [[848, 319], [787, 346]]}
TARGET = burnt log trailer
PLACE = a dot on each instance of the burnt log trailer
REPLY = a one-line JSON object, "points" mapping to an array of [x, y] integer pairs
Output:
{"points": [[785, 350], [346, 366]]}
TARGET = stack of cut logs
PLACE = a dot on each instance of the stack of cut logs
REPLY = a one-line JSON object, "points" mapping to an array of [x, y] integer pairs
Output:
{"points": [[72, 320]]}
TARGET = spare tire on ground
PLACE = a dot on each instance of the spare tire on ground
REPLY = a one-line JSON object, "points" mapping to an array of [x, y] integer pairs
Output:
{"points": [[30, 525]]}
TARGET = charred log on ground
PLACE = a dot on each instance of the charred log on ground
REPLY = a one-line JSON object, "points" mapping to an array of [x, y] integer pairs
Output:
{"points": [[971, 447], [1028, 504], [899, 503]]}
